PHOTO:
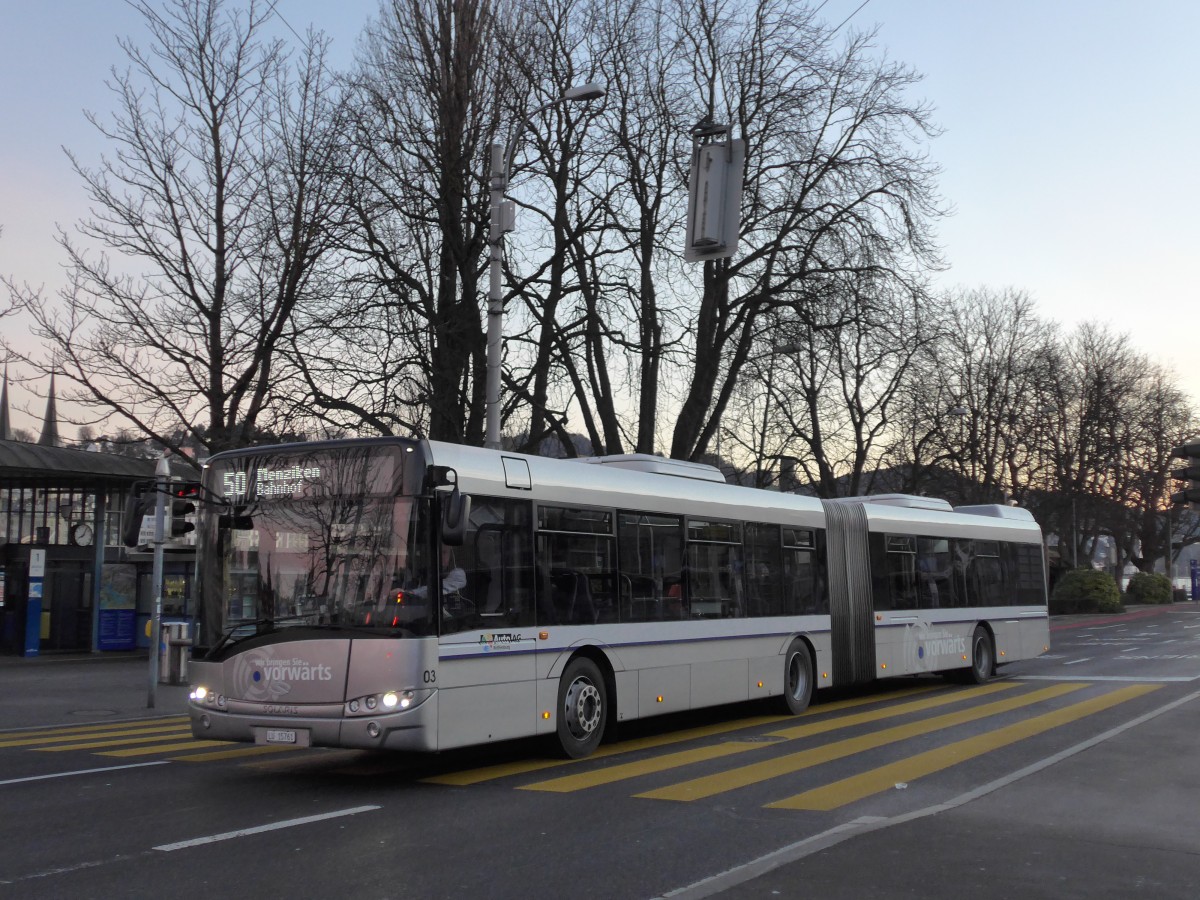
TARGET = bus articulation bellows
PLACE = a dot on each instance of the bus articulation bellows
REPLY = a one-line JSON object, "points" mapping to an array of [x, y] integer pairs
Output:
{"points": [[400, 594]]}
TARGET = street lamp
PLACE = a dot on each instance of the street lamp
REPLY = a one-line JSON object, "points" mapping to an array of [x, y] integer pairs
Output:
{"points": [[772, 354], [966, 479], [502, 220]]}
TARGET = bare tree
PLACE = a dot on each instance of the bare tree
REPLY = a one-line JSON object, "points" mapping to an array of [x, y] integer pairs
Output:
{"points": [[561, 352], [212, 217], [992, 360], [844, 362], [403, 348], [1156, 417], [835, 179], [1091, 376]]}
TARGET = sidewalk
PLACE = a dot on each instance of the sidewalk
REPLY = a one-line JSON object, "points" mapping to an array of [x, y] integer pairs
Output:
{"points": [[76, 689]]}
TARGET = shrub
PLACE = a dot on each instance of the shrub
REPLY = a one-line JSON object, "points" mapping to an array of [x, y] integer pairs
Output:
{"points": [[1083, 591], [1110, 604], [1145, 587]]}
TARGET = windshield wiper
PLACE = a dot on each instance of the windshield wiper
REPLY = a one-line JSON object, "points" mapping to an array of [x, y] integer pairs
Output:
{"points": [[257, 625]]}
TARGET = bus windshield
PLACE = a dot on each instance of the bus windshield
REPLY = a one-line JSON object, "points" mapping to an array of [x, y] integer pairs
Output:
{"points": [[333, 538]]}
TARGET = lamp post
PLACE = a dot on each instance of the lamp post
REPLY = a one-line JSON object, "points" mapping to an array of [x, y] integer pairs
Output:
{"points": [[502, 219], [775, 351], [960, 412]]}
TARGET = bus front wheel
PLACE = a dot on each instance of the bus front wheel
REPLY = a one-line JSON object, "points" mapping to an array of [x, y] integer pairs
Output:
{"points": [[582, 708], [797, 677], [983, 657]]}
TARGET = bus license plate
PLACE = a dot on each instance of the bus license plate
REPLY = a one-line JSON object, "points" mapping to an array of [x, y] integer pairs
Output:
{"points": [[281, 736]]}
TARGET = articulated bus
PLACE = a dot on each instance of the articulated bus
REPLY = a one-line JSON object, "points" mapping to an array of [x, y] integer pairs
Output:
{"points": [[407, 594]]}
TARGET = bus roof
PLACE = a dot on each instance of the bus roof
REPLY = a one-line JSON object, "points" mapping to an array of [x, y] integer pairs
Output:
{"points": [[640, 482]]}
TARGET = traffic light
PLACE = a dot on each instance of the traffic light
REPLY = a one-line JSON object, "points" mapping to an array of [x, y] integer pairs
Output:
{"points": [[184, 495], [138, 506], [1189, 473]]}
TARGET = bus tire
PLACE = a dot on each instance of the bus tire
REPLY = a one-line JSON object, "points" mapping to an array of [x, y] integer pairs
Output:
{"points": [[983, 657], [582, 708], [797, 677]]}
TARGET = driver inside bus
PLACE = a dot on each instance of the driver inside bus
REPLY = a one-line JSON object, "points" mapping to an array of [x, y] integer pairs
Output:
{"points": [[454, 579]]}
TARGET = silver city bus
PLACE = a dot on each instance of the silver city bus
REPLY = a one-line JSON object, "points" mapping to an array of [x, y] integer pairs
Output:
{"points": [[404, 594]]}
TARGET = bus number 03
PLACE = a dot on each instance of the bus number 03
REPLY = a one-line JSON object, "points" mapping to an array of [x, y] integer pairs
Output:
{"points": [[430, 676]]}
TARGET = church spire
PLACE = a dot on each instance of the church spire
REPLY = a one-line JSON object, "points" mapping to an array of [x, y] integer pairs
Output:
{"points": [[49, 436], [5, 426]]}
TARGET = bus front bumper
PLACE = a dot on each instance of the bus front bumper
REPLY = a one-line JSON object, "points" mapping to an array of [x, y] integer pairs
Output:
{"points": [[407, 729]]}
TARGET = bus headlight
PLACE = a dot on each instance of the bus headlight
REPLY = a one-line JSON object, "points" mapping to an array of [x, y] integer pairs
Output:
{"points": [[402, 700], [198, 693], [389, 701]]}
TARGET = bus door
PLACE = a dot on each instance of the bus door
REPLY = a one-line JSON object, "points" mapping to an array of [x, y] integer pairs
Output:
{"points": [[485, 673]]}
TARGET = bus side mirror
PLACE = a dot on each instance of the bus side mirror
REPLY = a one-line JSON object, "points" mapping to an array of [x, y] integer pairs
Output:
{"points": [[456, 511]]}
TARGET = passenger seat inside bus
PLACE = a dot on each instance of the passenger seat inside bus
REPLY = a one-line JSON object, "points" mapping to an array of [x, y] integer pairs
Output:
{"points": [[571, 597]]}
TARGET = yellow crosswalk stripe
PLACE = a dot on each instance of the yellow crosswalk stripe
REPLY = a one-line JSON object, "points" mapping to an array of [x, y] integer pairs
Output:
{"points": [[60, 738], [235, 753], [118, 741], [597, 777], [29, 738], [611, 774], [754, 773], [525, 766], [848, 790], [891, 712], [165, 748], [317, 757]]}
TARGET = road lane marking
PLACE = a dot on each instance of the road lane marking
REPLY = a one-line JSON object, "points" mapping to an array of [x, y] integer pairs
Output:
{"points": [[61, 738], [39, 731], [610, 774], [118, 742], [216, 755], [1134, 679], [849, 790], [525, 766], [721, 882], [260, 829], [165, 748], [1077, 661], [160, 762], [316, 758], [721, 782]]}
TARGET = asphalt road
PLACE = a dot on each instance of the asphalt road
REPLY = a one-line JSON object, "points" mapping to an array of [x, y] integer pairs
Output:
{"points": [[1077, 774]]}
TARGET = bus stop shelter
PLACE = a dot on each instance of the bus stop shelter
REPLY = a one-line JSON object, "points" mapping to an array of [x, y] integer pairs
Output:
{"points": [[66, 581]]}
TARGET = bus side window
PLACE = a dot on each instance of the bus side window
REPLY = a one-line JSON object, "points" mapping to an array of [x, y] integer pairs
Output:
{"points": [[650, 561], [901, 569], [935, 573], [714, 570], [764, 570], [575, 559]]}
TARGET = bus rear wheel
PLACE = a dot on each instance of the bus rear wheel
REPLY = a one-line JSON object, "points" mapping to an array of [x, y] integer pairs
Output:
{"points": [[582, 708], [797, 677]]}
